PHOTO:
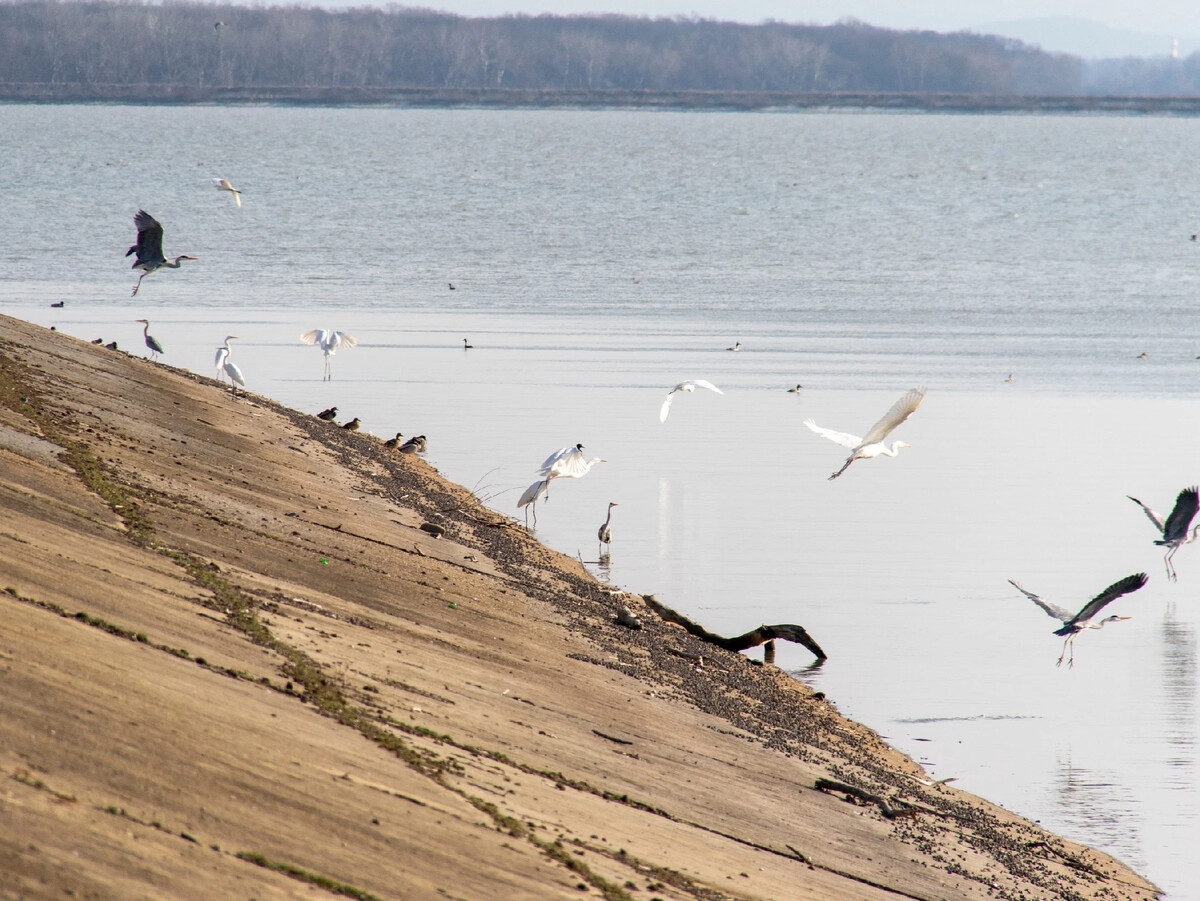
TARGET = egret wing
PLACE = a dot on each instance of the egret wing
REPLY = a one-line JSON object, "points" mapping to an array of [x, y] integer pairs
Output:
{"points": [[702, 383], [341, 339], [234, 372], [665, 410], [570, 465], [1063, 616], [552, 461], [900, 411], [1109, 594], [316, 336], [533, 492], [843, 438], [1154, 517], [1181, 517]]}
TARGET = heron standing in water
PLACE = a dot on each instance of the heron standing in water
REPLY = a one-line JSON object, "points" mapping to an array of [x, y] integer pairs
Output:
{"points": [[151, 341], [604, 533], [149, 248]]}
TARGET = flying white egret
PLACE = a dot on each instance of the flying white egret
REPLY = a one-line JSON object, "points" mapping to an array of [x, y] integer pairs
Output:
{"points": [[1175, 529], [222, 184], [1073, 624], [149, 248], [329, 341], [568, 463], [871, 444], [231, 368], [604, 533], [689, 386], [151, 341]]}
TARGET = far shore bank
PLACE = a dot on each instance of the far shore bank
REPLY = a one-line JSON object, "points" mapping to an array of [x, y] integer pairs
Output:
{"points": [[518, 98]]}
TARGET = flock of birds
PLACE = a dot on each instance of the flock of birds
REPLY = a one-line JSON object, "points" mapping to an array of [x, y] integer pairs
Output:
{"points": [[569, 462]]}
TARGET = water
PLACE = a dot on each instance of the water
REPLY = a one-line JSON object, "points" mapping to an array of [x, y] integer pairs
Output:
{"points": [[598, 258]]}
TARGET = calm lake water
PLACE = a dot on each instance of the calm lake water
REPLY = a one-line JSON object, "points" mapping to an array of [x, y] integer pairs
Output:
{"points": [[598, 258]]}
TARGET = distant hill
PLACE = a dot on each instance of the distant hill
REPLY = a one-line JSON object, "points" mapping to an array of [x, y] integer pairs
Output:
{"points": [[1089, 39]]}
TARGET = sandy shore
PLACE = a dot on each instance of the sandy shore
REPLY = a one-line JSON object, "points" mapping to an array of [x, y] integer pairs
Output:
{"points": [[233, 666]]}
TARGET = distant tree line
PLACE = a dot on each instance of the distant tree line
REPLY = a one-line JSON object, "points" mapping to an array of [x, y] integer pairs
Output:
{"points": [[118, 42]]}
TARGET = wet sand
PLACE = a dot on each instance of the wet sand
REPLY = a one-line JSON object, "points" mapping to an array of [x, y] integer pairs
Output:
{"points": [[235, 666]]}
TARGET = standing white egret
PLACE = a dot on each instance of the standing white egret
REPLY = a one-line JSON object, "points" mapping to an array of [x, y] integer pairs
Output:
{"points": [[329, 341], [151, 341], [689, 386], [231, 368], [1073, 624], [222, 184], [1175, 529], [149, 248], [871, 444], [604, 533], [530, 496], [222, 356]]}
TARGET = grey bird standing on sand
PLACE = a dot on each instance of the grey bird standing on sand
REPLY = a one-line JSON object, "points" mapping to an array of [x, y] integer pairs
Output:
{"points": [[1175, 529], [352, 425], [604, 533], [149, 248], [1074, 624], [151, 341]]}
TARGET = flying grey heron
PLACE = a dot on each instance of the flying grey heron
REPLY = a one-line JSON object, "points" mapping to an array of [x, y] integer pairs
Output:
{"points": [[151, 341], [689, 386], [871, 444], [604, 533], [1175, 529], [329, 341], [222, 184], [149, 248], [1073, 624]]}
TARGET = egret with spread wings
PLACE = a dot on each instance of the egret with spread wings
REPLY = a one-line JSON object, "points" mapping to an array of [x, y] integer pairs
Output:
{"points": [[689, 386], [329, 341], [1073, 624], [1175, 529], [871, 444]]}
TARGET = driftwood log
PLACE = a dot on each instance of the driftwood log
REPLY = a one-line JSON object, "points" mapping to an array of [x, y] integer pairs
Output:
{"points": [[761, 635]]}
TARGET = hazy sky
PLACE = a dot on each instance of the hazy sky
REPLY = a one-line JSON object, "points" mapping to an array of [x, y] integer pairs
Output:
{"points": [[1172, 17]]}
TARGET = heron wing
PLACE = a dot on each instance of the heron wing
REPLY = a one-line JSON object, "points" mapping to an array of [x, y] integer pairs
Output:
{"points": [[1109, 594], [316, 336], [149, 239], [533, 492], [1181, 517], [900, 411], [1154, 517], [843, 438], [1054, 610]]}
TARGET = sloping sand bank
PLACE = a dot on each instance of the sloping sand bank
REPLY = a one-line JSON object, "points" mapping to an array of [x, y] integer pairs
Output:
{"points": [[232, 665]]}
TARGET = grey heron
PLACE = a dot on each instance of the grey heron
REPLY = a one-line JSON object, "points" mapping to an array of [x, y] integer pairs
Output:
{"points": [[149, 248], [1073, 624], [151, 341], [222, 184], [1175, 529], [871, 444], [329, 341], [689, 386], [604, 533]]}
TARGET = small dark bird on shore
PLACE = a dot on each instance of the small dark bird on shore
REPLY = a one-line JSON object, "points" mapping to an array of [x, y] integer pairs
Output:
{"points": [[467, 346], [328, 415], [394, 442], [111, 345], [59, 304], [98, 341], [352, 425], [413, 445]]}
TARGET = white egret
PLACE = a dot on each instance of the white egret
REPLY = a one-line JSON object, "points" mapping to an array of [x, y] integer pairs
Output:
{"points": [[329, 341], [149, 248], [222, 184], [604, 533], [1175, 529], [530, 496], [689, 386], [222, 356], [231, 368], [871, 444], [151, 341], [1073, 624], [568, 463]]}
